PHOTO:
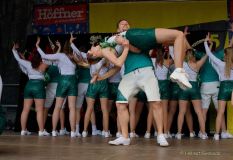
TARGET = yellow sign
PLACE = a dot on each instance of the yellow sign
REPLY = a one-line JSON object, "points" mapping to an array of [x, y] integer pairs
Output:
{"points": [[104, 16]]}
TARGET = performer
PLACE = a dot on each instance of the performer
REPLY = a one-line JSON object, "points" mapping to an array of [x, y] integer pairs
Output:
{"points": [[66, 85], [223, 68], [34, 90]]}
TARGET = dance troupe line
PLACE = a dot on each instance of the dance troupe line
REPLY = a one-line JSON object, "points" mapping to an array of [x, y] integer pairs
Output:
{"points": [[154, 66]]}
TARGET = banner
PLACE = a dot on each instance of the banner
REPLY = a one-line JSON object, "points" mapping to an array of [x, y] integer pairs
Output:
{"points": [[60, 19]]}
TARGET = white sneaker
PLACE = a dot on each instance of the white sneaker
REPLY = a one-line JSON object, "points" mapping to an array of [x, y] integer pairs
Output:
{"points": [[96, 132], [202, 136], [181, 78], [43, 133], [169, 135], [161, 140], [155, 134], [118, 134], [216, 137], [25, 133], [73, 134], [133, 135], [78, 134], [120, 141], [147, 135], [225, 135], [84, 134], [192, 134], [62, 132], [178, 136], [165, 135], [55, 133], [107, 134]]}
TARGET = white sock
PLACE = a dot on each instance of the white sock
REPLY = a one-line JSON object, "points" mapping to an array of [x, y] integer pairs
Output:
{"points": [[93, 127], [77, 127]]}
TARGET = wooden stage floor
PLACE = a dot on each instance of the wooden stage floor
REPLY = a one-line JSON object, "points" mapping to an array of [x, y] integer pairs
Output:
{"points": [[16, 147]]}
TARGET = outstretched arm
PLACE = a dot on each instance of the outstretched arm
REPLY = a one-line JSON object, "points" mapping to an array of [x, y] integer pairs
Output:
{"points": [[46, 56], [201, 62], [216, 62], [111, 56], [110, 73], [22, 62]]}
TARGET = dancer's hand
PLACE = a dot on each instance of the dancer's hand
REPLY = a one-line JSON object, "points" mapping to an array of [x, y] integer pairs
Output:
{"points": [[15, 46], [186, 31], [119, 39], [72, 38], [38, 42], [207, 38], [58, 44]]}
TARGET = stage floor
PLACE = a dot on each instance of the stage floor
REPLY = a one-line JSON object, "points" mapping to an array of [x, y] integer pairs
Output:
{"points": [[16, 147]]}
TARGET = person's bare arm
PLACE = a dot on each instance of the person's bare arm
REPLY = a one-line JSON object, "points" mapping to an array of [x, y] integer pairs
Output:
{"points": [[108, 74], [201, 62], [110, 54]]}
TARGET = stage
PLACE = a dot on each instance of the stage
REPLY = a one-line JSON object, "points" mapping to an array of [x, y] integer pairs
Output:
{"points": [[16, 147]]}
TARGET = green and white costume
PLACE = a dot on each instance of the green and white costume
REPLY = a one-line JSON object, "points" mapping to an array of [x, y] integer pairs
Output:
{"points": [[226, 83], [67, 84], [35, 87]]}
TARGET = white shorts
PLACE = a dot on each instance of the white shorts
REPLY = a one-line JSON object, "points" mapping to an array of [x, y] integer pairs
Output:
{"points": [[209, 90], [50, 94], [0, 88], [82, 90], [140, 79]]}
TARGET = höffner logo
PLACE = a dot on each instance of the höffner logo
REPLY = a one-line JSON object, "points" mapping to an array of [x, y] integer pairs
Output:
{"points": [[59, 13], [68, 14]]}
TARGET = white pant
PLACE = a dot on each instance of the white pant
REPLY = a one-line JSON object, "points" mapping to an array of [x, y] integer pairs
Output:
{"points": [[140, 79], [50, 94], [209, 90], [82, 90]]}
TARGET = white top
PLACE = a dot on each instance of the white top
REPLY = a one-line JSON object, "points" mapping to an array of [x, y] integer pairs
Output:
{"points": [[192, 75], [94, 68], [26, 67], [116, 78], [161, 72], [65, 65], [217, 64], [119, 48]]}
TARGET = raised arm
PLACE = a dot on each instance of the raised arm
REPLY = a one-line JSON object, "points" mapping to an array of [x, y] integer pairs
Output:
{"points": [[201, 62], [46, 56], [22, 62], [80, 54], [111, 56], [231, 30], [110, 73], [59, 47], [213, 59]]}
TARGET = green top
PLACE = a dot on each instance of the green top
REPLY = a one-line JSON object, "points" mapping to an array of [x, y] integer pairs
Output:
{"points": [[207, 72], [137, 60], [83, 75]]}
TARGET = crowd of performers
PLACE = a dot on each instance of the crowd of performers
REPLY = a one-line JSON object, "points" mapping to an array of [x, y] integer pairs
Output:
{"points": [[123, 71]]}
